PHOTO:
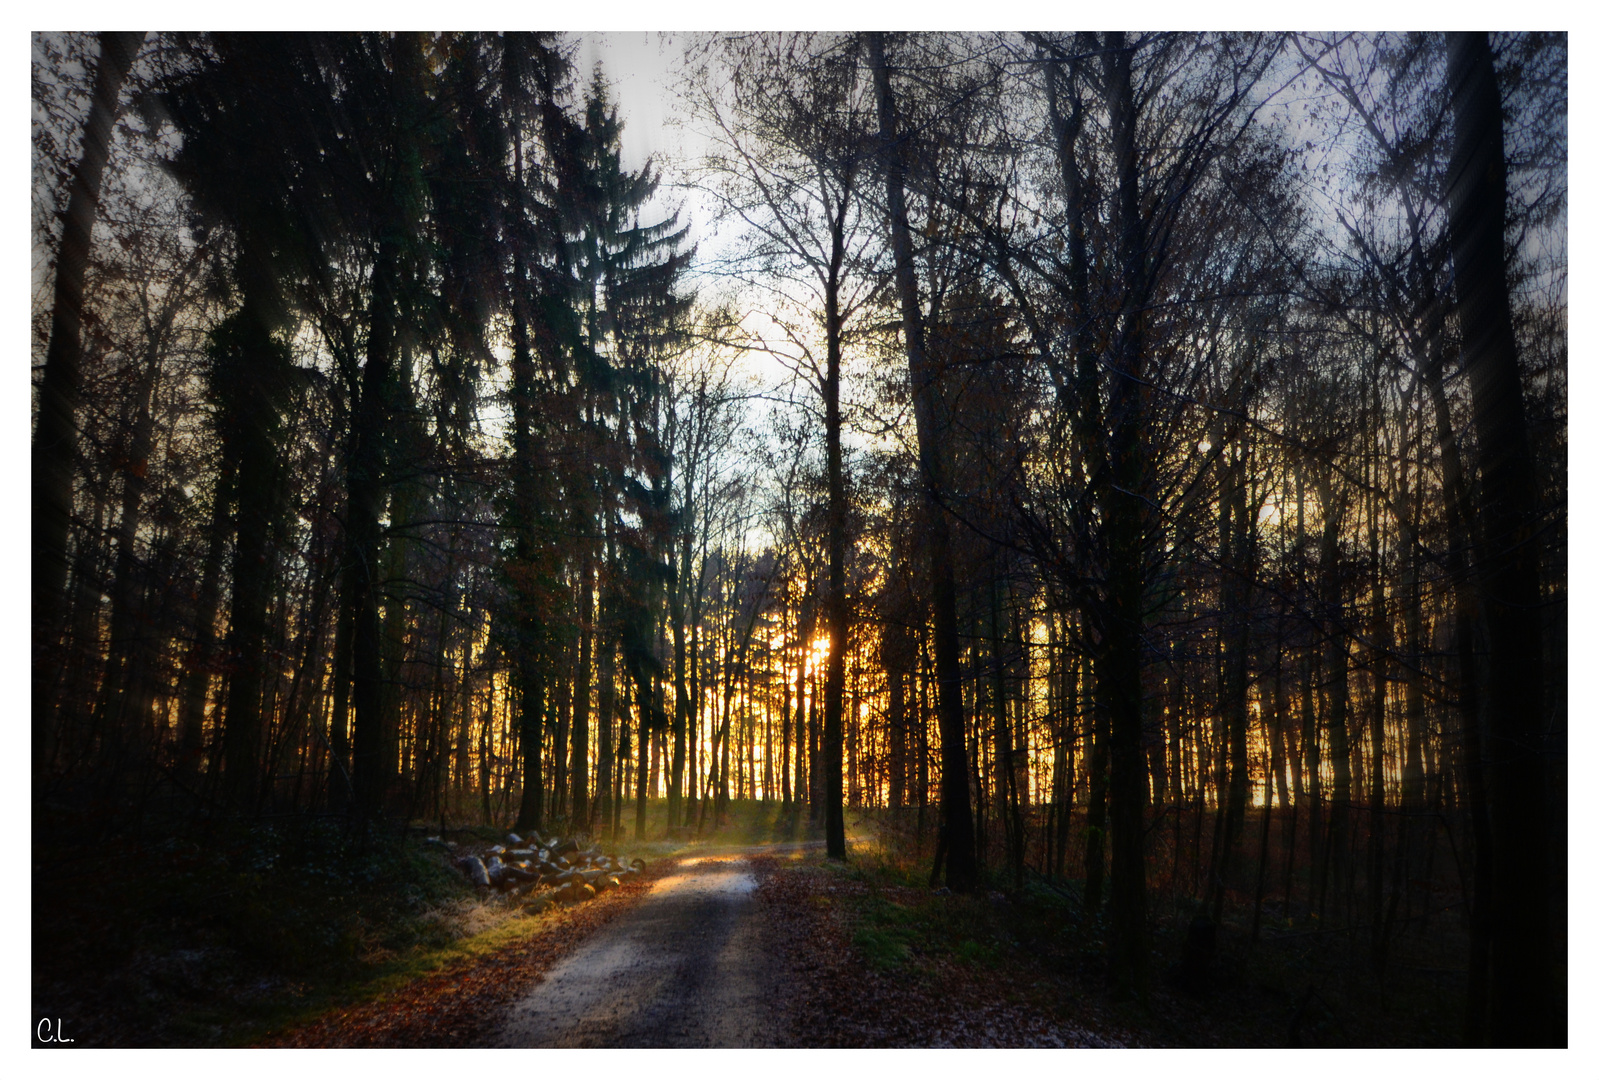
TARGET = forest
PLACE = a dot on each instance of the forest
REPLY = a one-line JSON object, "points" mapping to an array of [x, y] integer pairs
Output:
{"points": [[1124, 468]]}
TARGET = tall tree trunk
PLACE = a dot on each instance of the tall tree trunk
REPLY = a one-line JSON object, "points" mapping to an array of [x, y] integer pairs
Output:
{"points": [[1521, 993], [1336, 647], [55, 439], [1067, 784], [1380, 647], [644, 693], [563, 729], [399, 768], [788, 718], [961, 872], [1269, 723], [1010, 795], [837, 604], [604, 781], [580, 699], [894, 648], [1237, 565], [485, 758], [1310, 724], [814, 750], [802, 781], [530, 663], [201, 661], [924, 700], [261, 366], [1098, 777], [130, 647], [1466, 612], [530, 658], [1128, 532], [696, 705], [680, 696], [341, 785], [367, 499], [1411, 788]]}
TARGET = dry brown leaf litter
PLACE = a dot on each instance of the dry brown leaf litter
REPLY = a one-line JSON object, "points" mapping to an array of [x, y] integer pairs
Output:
{"points": [[838, 999], [461, 1005]]}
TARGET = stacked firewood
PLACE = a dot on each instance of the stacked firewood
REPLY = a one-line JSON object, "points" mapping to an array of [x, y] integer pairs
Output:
{"points": [[561, 867]]}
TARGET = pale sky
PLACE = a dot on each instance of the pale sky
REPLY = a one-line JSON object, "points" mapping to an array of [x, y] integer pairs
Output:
{"points": [[636, 64], [641, 66]]}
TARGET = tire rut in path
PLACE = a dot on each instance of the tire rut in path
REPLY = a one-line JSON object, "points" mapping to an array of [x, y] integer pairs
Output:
{"points": [[689, 967]]}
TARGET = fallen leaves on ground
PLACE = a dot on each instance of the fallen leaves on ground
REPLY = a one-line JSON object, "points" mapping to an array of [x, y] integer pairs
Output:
{"points": [[839, 999], [460, 1005]]}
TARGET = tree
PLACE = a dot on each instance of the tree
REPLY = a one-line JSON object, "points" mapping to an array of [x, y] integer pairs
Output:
{"points": [[793, 155], [55, 444], [1515, 746], [1092, 394], [931, 426], [627, 321]]}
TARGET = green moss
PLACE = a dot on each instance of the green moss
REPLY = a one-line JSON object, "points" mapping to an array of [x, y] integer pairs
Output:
{"points": [[977, 954], [888, 933], [881, 949]]}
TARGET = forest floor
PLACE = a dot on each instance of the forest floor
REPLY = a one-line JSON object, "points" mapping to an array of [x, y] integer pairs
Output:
{"points": [[232, 938], [880, 959], [911, 965], [753, 937], [875, 962], [767, 945], [772, 944]]}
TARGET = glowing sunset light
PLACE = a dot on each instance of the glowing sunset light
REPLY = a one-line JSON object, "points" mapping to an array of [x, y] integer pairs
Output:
{"points": [[819, 648]]}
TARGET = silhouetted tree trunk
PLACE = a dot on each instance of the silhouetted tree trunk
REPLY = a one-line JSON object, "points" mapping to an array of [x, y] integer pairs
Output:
{"points": [[837, 604], [896, 655], [130, 649], [1127, 532], [961, 872], [55, 439], [256, 366], [1237, 566], [1273, 762], [1310, 725], [201, 659], [644, 695], [1466, 611], [802, 737], [1521, 984], [367, 500], [1098, 782], [1381, 645], [682, 561], [581, 698], [1335, 862]]}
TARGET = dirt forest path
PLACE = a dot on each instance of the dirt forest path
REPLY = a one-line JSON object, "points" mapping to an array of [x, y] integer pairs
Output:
{"points": [[759, 945], [689, 966]]}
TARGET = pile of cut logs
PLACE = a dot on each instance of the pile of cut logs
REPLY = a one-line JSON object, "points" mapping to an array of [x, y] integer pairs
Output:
{"points": [[563, 865]]}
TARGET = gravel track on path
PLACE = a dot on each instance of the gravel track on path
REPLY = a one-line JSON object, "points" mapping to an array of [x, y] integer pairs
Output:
{"points": [[689, 966]]}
